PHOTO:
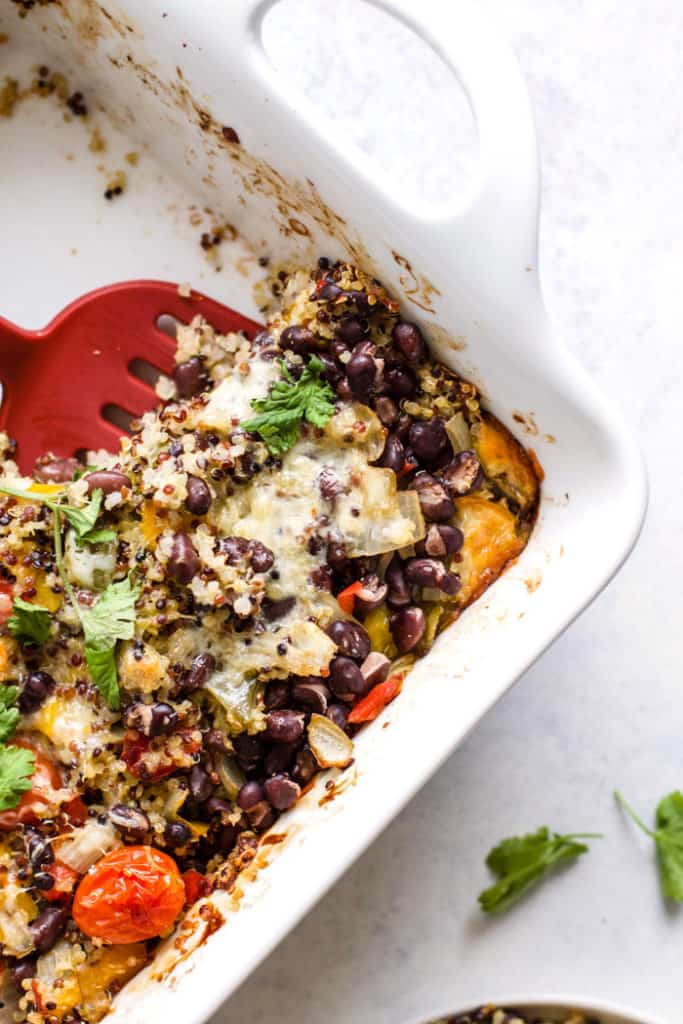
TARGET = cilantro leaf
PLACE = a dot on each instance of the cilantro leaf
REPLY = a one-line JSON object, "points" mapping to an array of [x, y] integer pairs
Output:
{"points": [[81, 519], [668, 838], [289, 403], [521, 861], [16, 768], [110, 619], [102, 665], [9, 714], [29, 623]]}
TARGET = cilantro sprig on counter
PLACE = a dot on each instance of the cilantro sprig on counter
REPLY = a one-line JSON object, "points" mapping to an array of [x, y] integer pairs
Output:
{"points": [[521, 861], [289, 403], [668, 838]]}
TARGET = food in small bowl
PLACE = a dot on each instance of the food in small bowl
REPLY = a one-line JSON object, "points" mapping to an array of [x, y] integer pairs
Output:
{"points": [[545, 1011], [195, 626]]}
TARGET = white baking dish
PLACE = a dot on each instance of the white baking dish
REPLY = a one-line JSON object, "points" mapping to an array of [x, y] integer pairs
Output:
{"points": [[169, 75]]}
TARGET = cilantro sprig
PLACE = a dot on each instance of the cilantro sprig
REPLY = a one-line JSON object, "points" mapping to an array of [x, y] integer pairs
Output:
{"points": [[9, 712], [29, 623], [289, 403], [16, 768], [668, 838], [521, 861], [81, 519], [110, 619]]}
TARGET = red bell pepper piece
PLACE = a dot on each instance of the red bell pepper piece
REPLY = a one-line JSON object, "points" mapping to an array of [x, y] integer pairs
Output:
{"points": [[375, 701]]}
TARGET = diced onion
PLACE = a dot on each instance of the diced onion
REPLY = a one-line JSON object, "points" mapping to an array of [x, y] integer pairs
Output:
{"points": [[331, 746], [459, 433], [230, 775], [86, 845]]}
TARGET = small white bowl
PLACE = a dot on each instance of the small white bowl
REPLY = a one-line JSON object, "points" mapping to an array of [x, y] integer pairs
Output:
{"points": [[554, 1007]]}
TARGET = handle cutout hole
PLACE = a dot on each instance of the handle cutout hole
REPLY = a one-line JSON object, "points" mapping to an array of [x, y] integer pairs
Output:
{"points": [[383, 90], [118, 417], [146, 372], [168, 325]]}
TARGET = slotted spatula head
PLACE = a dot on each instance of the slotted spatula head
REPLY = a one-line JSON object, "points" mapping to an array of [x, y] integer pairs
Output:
{"points": [[61, 383]]}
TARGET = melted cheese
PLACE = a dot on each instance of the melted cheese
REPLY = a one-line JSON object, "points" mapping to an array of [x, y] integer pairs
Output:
{"points": [[231, 400]]}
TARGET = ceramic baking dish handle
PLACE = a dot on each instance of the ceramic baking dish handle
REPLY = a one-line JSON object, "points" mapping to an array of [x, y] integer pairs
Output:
{"points": [[496, 225]]}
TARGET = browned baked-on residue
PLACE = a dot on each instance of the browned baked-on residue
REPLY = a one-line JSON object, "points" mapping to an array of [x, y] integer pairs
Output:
{"points": [[335, 787], [416, 287], [532, 583], [273, 838], [527, 422]]}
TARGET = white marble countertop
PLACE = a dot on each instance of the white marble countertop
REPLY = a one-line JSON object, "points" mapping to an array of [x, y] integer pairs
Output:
{"points": [[401, 934]]}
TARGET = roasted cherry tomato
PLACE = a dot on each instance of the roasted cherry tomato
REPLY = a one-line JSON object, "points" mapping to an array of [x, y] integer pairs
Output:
{"points": [[139, 753], [196, 886], [45, 781], [131, 894], [65, 879]]}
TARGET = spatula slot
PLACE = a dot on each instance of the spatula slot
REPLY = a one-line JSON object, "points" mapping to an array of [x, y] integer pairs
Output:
{"points": [[118, 416], [168, 324], [148, 373]]}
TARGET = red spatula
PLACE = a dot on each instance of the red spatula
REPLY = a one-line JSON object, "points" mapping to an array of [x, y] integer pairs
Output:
{"points": [[65, 385]]}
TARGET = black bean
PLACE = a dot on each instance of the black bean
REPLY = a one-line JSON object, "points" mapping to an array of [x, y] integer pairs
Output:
{"points": [[198, 500], [234, 549], [39, 849], [337, 558], [425, 572], [284, 726], [398, 594], [329, 485], [21, 971], [434, 501], [131, 821], [176, 833], [387, 410], [351, 329], [214, 805], [346, 679], [350, 637], [428, 439], [55, 471], [403, 426], [371, 595], [279, 758], [43, 881], [273, 610], [329, 292], [299, 339], [408, 340], [249, 795], [261, 816], [338, 714], [441, 540], [201, 786], [407, 628], [249, 750], [312, 696], [450, 584], [277, 695], [400, 383], [107, 480], [47, 927], [215, 740], [35, 688], [360, 371], [226, 838], [330, 371], [201, 669], [394, 455], [183, 563], [375, 668], [463, 474], [190, 377], [344, 391], [156, 719], [262, 558], [305, 765], [281, 791]]}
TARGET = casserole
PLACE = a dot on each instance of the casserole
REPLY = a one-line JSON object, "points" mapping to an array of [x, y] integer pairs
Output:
{"points": [[449, 265]]}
